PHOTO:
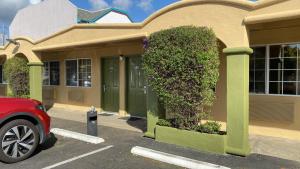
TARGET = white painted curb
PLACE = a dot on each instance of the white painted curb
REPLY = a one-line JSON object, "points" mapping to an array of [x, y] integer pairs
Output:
{"points": [[77, 136], [173, 159]]}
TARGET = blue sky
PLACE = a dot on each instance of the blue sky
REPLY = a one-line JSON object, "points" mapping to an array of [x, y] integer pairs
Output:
{"points": [[137, 9]]}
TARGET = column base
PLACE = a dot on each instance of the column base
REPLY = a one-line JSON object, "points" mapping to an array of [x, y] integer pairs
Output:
{"points": [[123, 113]]}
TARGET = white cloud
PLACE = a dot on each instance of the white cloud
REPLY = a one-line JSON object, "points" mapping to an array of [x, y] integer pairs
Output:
{"points": [[9, 8], [98, 4], [145, 5], [122, 4], [35, 1]]}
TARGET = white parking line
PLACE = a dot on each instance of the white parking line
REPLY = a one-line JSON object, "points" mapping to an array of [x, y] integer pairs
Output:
{"points": [[78, 157], [173, 159], [78, 136]]}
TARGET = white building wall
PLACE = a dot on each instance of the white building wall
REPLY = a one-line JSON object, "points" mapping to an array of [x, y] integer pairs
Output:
{"points": [[44, 19], [114, 17]]}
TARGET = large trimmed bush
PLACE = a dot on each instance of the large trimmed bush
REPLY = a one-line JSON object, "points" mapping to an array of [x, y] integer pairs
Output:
{"points": [[16, 72], [181, 65]]}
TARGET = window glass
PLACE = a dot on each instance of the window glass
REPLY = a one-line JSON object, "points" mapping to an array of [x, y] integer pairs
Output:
{"points": [[275, 87], [54, 73], [46, 73], [275, 75], [290, 51], [1, 74], [79, 72], [289, 88], [257, 70], [282, 72], [51, 73], [283, 69], [275, 51], [85, 73], [71, 73]]}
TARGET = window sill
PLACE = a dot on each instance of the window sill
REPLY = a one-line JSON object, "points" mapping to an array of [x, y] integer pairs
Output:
{"points": [[275, 95]]}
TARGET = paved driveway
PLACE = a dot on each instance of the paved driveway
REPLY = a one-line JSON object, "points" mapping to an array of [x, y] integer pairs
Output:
{"points": [[59, 149]]}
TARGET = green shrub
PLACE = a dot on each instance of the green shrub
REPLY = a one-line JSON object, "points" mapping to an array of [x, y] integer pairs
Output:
{"points": [[181, 65], [209, 127], [163, 122], [16, 73]]}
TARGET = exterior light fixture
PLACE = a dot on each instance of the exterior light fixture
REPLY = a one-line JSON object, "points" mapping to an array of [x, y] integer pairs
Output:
{"points": [[122, 57], [13, 42]]}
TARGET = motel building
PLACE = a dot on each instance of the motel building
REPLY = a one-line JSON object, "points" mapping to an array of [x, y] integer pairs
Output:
{"points": [[99, 64]]}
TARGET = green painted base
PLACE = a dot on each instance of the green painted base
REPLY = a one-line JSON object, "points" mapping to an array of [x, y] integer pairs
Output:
{"points": [[149, 134], [199, 141]]}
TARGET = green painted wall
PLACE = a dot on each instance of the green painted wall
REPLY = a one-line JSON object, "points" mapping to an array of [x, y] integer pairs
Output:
{"points": [[35, 80], [238, 100], [192, 139]]}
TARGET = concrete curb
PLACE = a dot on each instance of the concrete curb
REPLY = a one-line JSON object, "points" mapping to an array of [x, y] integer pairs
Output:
{"points": [[77, 136], [173, 159]]}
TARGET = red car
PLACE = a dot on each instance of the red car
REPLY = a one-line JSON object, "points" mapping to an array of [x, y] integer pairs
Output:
{"points": [[24, 124]]}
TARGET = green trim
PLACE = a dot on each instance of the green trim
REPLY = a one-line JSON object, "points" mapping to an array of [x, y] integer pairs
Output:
{"points": [[238, 50], [155, 110], [35, 80], [192, 139], [35, 64], [238, 101], [79, 20]]}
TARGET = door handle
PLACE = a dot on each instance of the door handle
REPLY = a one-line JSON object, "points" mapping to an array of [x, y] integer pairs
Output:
{"points": [[104, 88], [145, 89]]}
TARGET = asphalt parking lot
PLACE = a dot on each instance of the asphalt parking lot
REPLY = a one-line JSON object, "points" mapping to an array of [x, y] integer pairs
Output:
{"points": [[59, 149]]}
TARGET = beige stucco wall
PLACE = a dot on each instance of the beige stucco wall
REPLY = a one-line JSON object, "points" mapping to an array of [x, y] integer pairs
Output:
{"points": [[82, 95], [231, 31]]}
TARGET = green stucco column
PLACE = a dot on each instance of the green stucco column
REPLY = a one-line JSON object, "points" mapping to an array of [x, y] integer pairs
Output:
{"points": [[152, 112], [238, 100], [35, 80], [8, 90], [155, 111]]}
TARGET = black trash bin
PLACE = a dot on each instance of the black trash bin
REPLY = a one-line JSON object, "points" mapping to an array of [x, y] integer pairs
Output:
{"points": [[92, 117]]}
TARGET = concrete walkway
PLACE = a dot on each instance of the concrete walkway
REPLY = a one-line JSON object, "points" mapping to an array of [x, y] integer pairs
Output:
{"points": [[270, 146], [78, 113]]}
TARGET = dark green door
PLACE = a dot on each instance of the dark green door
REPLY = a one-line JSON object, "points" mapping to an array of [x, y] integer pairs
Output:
{"points": [[110, 84], [136, 88]]}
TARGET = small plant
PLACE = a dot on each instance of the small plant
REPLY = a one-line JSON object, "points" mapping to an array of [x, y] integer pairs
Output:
{"points": [[209, 127], [165, 123], [16, 73]]}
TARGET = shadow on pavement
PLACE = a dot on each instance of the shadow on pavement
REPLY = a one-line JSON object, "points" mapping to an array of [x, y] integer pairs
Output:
{"points": [[138, 123], [49, 143]]}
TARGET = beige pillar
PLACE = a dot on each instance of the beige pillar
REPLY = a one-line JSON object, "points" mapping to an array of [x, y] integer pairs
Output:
{"points": [[122, 74]]}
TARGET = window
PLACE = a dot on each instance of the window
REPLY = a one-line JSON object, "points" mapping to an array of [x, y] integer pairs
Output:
{"points": [[51, 73], [1, 74], [281, 70], [78, 72], [258, 70]]}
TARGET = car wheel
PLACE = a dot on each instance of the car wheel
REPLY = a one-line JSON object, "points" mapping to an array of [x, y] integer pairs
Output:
{"points": [[19, 139]]}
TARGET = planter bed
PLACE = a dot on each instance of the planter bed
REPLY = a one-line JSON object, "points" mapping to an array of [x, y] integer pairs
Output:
{"points": [[192, 139]]}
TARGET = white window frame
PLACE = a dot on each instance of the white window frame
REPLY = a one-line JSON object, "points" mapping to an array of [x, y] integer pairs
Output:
{"points": [[77, 60], [267, 76], [49, 84]]}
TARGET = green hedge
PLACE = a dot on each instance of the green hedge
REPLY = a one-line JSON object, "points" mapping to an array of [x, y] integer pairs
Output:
{"points": [[16, 73], [181, 65]]}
